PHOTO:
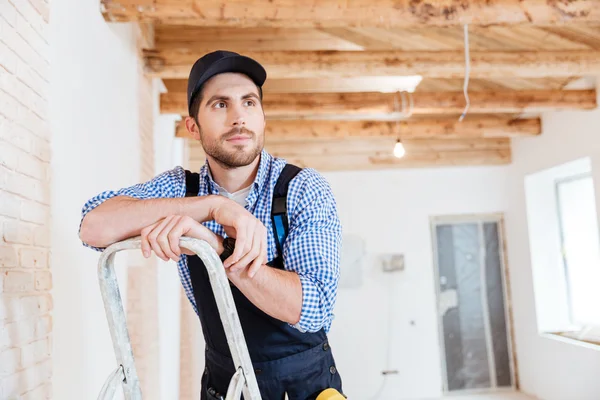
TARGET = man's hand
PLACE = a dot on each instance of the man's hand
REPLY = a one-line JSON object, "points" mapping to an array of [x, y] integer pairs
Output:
{"points": [[249, 233], [163, 237]]}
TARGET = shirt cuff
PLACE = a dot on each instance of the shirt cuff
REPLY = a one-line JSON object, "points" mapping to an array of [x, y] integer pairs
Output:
{"points": [[311, 315]]}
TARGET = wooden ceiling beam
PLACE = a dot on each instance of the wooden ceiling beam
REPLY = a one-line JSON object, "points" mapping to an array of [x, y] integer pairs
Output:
{"points": [[383, 105], [473, 127], [335, 13], [361, 154], [171, 63]]}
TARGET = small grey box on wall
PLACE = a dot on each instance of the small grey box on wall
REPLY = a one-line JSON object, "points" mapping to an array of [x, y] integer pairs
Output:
{"points": [[392, 262]]}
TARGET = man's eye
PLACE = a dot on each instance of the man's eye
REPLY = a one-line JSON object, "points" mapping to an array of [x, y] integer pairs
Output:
{"points": [[249, 103], [220, 105]]}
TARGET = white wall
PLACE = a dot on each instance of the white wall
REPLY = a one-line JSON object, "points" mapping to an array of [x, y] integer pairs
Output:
{"points": [[549, 369], [95, 135], [168, 152], [391, 211]]}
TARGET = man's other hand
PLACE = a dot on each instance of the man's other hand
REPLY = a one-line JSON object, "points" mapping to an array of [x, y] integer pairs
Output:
{"points": [[250, 236]]}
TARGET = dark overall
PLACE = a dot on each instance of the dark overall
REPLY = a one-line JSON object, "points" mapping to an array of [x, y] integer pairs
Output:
{"points": [[285, 360]]}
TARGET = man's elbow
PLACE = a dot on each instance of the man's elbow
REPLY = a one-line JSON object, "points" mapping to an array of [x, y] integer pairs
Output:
{"points": [[92, 233]]}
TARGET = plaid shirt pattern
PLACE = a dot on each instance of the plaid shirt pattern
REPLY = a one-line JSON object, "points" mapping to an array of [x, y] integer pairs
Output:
{"points": [[311, 249]]}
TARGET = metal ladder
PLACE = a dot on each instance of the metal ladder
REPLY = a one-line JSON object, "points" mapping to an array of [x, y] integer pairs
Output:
{"points": [[243, 381]]}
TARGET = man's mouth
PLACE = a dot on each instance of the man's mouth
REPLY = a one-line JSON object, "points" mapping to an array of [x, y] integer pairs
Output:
{"points": [[236, 139]]}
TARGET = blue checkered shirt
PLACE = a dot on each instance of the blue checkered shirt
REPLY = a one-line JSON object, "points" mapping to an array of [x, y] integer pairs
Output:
{"points": [[312, 248]]}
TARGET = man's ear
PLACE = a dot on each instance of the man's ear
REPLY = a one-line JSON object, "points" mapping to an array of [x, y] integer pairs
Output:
{"points": [[192, 127]]}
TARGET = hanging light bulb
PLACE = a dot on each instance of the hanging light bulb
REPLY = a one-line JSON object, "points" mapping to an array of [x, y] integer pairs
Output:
{"points": [[399, 150]]}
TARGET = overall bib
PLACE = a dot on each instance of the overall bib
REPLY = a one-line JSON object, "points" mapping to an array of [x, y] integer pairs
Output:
{"points": [[285, 360]]}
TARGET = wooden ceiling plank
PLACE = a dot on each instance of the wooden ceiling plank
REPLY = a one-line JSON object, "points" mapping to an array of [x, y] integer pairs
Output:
{"points": [[280, 65], [330, 13], [474, 127], [367, 105]]}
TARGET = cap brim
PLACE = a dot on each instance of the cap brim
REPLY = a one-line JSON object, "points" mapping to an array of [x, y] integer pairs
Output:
{"points": [[241, 64]]}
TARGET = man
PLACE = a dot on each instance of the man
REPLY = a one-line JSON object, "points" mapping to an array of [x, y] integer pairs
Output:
{"points": [[284, 292]]}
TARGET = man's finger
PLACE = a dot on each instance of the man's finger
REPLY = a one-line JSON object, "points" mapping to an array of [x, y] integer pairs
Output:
{"points": [[163, 238], [175, 235], [146, 248], [258, 262], [152, 237], [238, 251]]}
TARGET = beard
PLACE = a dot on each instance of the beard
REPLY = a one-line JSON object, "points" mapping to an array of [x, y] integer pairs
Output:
{"points": [[240, 156]]}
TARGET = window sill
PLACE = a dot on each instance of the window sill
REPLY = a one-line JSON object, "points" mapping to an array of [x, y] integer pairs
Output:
{"points": [[574, 338]]}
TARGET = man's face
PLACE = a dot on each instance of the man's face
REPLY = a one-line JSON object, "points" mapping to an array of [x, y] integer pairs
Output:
{"points": [[231, 120]]}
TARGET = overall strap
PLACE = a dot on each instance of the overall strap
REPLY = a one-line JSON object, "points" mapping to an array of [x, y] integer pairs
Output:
{"points": [[192, 183], [279, 208]]}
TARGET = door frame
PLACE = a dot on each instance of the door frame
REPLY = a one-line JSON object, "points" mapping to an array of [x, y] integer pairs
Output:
{"points": [[508, 314]]}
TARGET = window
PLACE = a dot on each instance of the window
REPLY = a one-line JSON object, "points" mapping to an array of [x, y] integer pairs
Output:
{"points": [[564, 242], [580, 247]]}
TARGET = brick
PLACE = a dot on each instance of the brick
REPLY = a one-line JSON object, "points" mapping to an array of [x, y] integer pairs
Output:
{"points": [[18, 281], [18, 232], [18, 333], [41, 149], [9, 107], [32, 78], [43, 327], [30, 14], [42, 236], [42, 8], [8, 13], [32, 37], [11, 386], [10, 361], [31, 306], [18, 307], [32, 167], [27, 187], [43, 280], [42, 392], [8, 257], [26, 95], [8, 59], [32, 122], [33, 258], [37, 375], [9, 155], [24, 51], [34, 353], [16, 135], [10, 205], [34, 212]]}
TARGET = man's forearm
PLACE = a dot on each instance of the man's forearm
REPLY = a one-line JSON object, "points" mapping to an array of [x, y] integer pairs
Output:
{"points": [[277, 293], [123, 217]]}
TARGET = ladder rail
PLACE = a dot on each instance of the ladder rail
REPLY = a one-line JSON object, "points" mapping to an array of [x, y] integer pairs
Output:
{"points": [[117, 323]]}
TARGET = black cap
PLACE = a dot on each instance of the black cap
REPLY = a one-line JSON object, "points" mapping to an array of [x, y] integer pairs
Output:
{"points": [[219, 62]]}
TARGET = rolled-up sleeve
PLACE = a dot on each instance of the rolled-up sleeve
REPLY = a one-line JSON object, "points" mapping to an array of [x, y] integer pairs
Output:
{"points": [[312, 248], [169, 184]]}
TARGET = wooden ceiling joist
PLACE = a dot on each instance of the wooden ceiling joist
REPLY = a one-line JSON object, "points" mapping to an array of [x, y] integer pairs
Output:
{"points": [[335, 13], [474, 127], [380, 105], [200, 40], [388, 84], [298, 64], [358, 154]]}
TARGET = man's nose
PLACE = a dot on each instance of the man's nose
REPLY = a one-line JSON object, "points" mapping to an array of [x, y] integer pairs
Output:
{"points": [[238, 117]]}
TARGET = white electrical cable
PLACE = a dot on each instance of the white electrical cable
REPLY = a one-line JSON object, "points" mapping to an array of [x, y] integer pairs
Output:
{"points": [[467, 72]]}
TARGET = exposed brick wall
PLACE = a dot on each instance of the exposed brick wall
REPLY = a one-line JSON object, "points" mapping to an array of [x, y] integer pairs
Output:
{"points": [[25, 273], [142, 286]]}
